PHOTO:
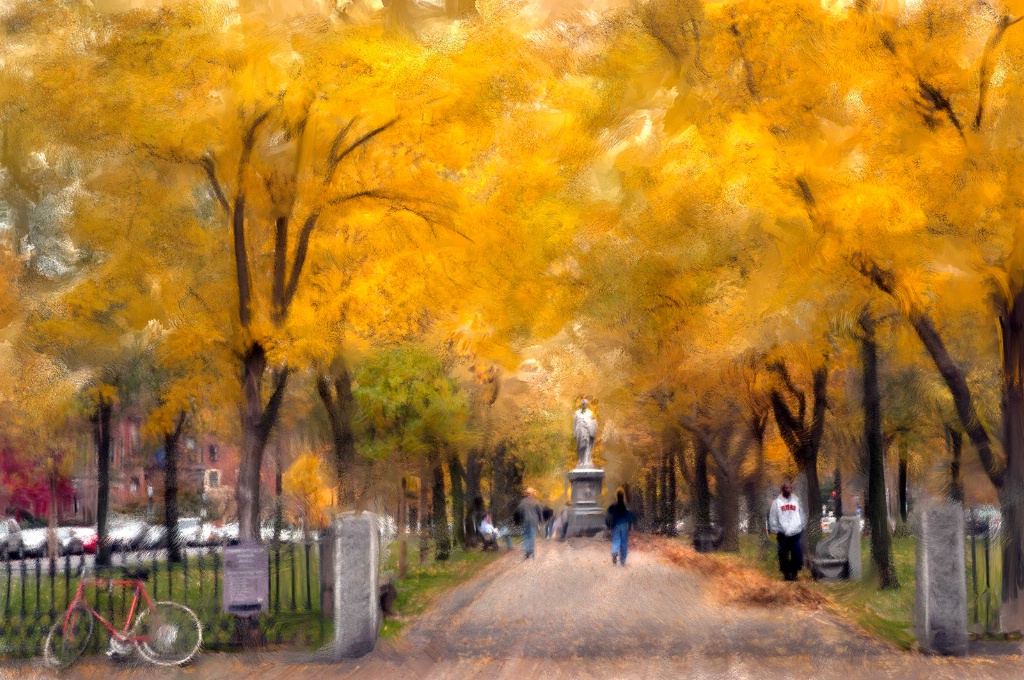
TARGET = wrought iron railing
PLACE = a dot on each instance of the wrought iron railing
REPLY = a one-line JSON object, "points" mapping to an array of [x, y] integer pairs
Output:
{"points": [[35, 591]]}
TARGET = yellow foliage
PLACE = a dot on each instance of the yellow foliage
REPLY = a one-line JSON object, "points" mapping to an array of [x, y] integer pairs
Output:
{"points": [[310, 495]]}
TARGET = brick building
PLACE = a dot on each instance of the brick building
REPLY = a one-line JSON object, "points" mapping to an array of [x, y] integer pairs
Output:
{"points": [[207, 469]]}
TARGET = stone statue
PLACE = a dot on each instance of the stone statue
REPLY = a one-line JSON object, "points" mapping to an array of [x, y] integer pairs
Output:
{"points": [[584, 427]]}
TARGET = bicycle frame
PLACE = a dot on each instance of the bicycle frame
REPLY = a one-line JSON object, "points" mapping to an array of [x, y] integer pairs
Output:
{"points": [[140, 595]]}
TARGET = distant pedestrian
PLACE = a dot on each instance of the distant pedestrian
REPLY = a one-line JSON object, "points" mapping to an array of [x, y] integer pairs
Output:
{"points": [[619, 520], [533, 518], [549, 519], [556, 524], [787, 521]]}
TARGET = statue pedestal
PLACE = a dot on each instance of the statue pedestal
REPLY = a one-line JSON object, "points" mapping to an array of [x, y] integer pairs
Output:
{"points": [[586, 516]]}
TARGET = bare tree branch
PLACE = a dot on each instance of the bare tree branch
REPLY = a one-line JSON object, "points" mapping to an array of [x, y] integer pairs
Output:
{"points": [[985, 75], [938, 101], [207, 163], [335, 158], [301, 249]]}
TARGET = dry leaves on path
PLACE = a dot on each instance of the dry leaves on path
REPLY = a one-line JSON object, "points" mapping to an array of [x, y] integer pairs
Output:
{"points": [[734, 584]]}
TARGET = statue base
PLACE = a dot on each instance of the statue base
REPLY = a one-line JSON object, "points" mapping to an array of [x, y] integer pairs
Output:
{"points": [[586, 516]]}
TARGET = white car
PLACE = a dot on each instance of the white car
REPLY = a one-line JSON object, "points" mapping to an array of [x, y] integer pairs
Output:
{"points": [[191, 531], [127, 536], [34, 541], [227, 534], [69, 542], [10, 536]]}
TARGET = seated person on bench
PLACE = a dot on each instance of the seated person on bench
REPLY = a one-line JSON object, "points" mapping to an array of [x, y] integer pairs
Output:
{"points": [[491, 535]]}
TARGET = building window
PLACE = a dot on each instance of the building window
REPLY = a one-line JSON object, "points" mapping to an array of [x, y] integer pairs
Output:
{"points": [[134, 487], [213, 453], [212, 479]]}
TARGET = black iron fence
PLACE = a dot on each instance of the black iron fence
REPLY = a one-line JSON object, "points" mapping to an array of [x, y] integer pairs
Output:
{"points": [[35, 592], [984, 574]]}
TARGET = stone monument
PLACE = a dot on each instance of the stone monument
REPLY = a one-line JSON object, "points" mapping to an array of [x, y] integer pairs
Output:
{"points": [[940, 615], [586, 516], [349, 589]]}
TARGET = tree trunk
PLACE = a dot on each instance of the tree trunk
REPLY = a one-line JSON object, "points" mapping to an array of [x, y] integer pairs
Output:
{"points": [[651, 500], [903, 481], [101, 434], [702, 491], [837, 484], [813, 531], [663, 494], [881, 541], [803, 440], [171, 440], [455, 474], [474, 468], [51, 526], [336, 395], [439, 515], [506, 488], [257, 423], [729, 508], [424, 523], [403, 529], [278, 503], [752, 495], [1012, 493], [952, 375], [670, 464], [955, 442], [757, 506]]}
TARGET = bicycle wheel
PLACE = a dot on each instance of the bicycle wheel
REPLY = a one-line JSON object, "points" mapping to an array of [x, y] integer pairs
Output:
{"points": [[65, 644], [171, 634]]}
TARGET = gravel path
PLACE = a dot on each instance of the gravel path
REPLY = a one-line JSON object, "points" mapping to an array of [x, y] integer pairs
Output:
{"points": [[571, 602]]}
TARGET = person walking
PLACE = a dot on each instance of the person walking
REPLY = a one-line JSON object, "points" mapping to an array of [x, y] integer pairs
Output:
{"points": [[787, 521], [532, 513], [549, 518], [620, 521]]}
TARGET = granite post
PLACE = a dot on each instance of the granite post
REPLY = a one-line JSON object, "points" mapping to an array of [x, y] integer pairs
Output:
{"points": [[349, 585], [941, 597]]}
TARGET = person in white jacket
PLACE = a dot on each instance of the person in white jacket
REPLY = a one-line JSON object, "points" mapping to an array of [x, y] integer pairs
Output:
{"points": [[787, 521]]}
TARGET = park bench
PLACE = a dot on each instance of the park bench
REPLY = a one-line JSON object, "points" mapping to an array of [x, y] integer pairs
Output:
{"points": [[838, 556], [707, 538]]}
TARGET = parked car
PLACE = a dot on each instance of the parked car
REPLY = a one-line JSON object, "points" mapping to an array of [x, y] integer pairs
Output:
{"points": [[68, 542], [227, 534], [33, 542], [88, 537], [288, 534], [194, 532], [128, 536], [155, 538], [10, 536]]}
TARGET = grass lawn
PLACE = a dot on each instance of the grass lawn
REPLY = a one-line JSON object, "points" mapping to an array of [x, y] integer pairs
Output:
{"points": [[423, 583], [886, 613]]}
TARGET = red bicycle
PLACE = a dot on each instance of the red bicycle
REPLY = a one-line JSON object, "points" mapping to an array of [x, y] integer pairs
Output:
{"points": [[164, 633]]}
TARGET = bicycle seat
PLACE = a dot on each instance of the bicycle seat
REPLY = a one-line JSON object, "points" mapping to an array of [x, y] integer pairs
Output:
{"points": [[136, 573]]}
